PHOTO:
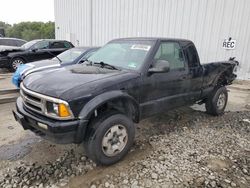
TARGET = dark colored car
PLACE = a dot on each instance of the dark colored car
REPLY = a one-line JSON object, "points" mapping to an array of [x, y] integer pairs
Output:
{"points": [[98, 102], [34, 50], [6, 43], [68, 57], [10, 44]]}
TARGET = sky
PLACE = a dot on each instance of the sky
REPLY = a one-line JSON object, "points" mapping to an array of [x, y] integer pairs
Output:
{"points": [[15, 11]]}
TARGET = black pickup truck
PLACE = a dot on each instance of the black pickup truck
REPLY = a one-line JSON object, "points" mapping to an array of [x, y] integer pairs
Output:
{"points": [[97, 103]]}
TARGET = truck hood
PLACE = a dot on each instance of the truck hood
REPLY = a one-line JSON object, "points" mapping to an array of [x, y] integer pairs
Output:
{"points": [[71, 81]]}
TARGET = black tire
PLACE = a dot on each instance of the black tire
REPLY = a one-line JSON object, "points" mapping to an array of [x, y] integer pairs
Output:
{"points": [[214, 104], [99, 128], [15, 62]]}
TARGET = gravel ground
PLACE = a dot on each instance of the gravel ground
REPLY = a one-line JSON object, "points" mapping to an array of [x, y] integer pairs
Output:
{"points": [[51, 174], [192, 151], [185, 148]]}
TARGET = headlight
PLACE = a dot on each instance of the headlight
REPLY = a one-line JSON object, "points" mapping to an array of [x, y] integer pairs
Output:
{"points": [[58, 110]]}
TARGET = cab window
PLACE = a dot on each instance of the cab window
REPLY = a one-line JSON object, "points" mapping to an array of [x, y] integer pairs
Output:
{"points": [[57, 45], [67, 45], [60, 44], [171, 52], [41, 45]]}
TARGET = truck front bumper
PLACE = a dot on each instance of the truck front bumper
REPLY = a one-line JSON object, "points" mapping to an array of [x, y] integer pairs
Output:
{"points": [[61, 132]]}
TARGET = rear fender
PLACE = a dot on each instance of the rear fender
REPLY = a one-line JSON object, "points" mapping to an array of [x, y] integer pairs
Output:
{"points": [[226, 75]]}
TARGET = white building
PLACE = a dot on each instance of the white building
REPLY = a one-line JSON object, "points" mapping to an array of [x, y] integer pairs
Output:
{"points": [[206, 22]]}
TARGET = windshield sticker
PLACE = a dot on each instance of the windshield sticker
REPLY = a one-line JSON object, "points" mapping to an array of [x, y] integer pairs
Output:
{"points": [[132, 65], [140, 47], [77, 52]]}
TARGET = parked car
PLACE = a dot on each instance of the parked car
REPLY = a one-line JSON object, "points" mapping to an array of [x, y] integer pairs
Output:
{"points": [[98, 102], [68, 57], [6, 43], [32, 51], [10, 43]]}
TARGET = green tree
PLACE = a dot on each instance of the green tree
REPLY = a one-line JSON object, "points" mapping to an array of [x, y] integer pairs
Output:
{"points": [[30, 30], [4, 25]]}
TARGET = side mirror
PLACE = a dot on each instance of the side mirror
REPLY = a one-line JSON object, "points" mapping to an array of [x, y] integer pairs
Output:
{"points": [[34, 49], [160, 67], [82, 61]]}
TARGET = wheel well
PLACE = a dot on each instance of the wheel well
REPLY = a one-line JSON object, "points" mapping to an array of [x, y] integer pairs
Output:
{"points": [[122, 105], [18, 57], [226, 77], [222, 80]]}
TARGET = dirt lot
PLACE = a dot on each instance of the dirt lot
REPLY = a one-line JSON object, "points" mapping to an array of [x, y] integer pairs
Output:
{"points": [[182, 148]]}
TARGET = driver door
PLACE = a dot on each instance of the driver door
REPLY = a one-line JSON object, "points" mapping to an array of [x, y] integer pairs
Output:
{"points": [[165, 90], [39, 51]]}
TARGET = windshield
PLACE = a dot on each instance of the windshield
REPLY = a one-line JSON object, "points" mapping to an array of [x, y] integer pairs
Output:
{"points": [[70, 55], [123, 54], [27, 45]]}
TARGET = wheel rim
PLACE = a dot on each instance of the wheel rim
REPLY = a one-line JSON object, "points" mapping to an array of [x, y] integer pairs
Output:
{"points": [[114, 140], [221, 101], [16, 63]]}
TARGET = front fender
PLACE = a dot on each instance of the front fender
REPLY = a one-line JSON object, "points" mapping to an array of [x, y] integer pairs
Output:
{"points": [[101, 99]]}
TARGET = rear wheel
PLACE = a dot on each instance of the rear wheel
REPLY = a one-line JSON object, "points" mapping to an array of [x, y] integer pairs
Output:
{"points": [[15, 62], [109, 138], [217, 101]]}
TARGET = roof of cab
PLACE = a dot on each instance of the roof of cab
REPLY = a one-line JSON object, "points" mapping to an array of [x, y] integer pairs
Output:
{"points": [[47, 40], [149, 39]]}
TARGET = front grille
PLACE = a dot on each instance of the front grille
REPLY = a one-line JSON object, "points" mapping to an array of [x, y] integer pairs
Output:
{"points": [[36, 102], [31, 101]]}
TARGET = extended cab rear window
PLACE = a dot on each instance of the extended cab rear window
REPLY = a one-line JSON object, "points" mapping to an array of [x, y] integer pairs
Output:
{"points": [[192, 57]]}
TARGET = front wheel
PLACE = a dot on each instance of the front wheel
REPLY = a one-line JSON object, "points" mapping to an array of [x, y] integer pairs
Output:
{"points": [[217, 101], [15, 62], [109, 138]]}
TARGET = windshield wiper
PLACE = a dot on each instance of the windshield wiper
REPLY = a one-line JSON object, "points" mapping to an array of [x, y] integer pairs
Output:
{"points": [[106, 65]]}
